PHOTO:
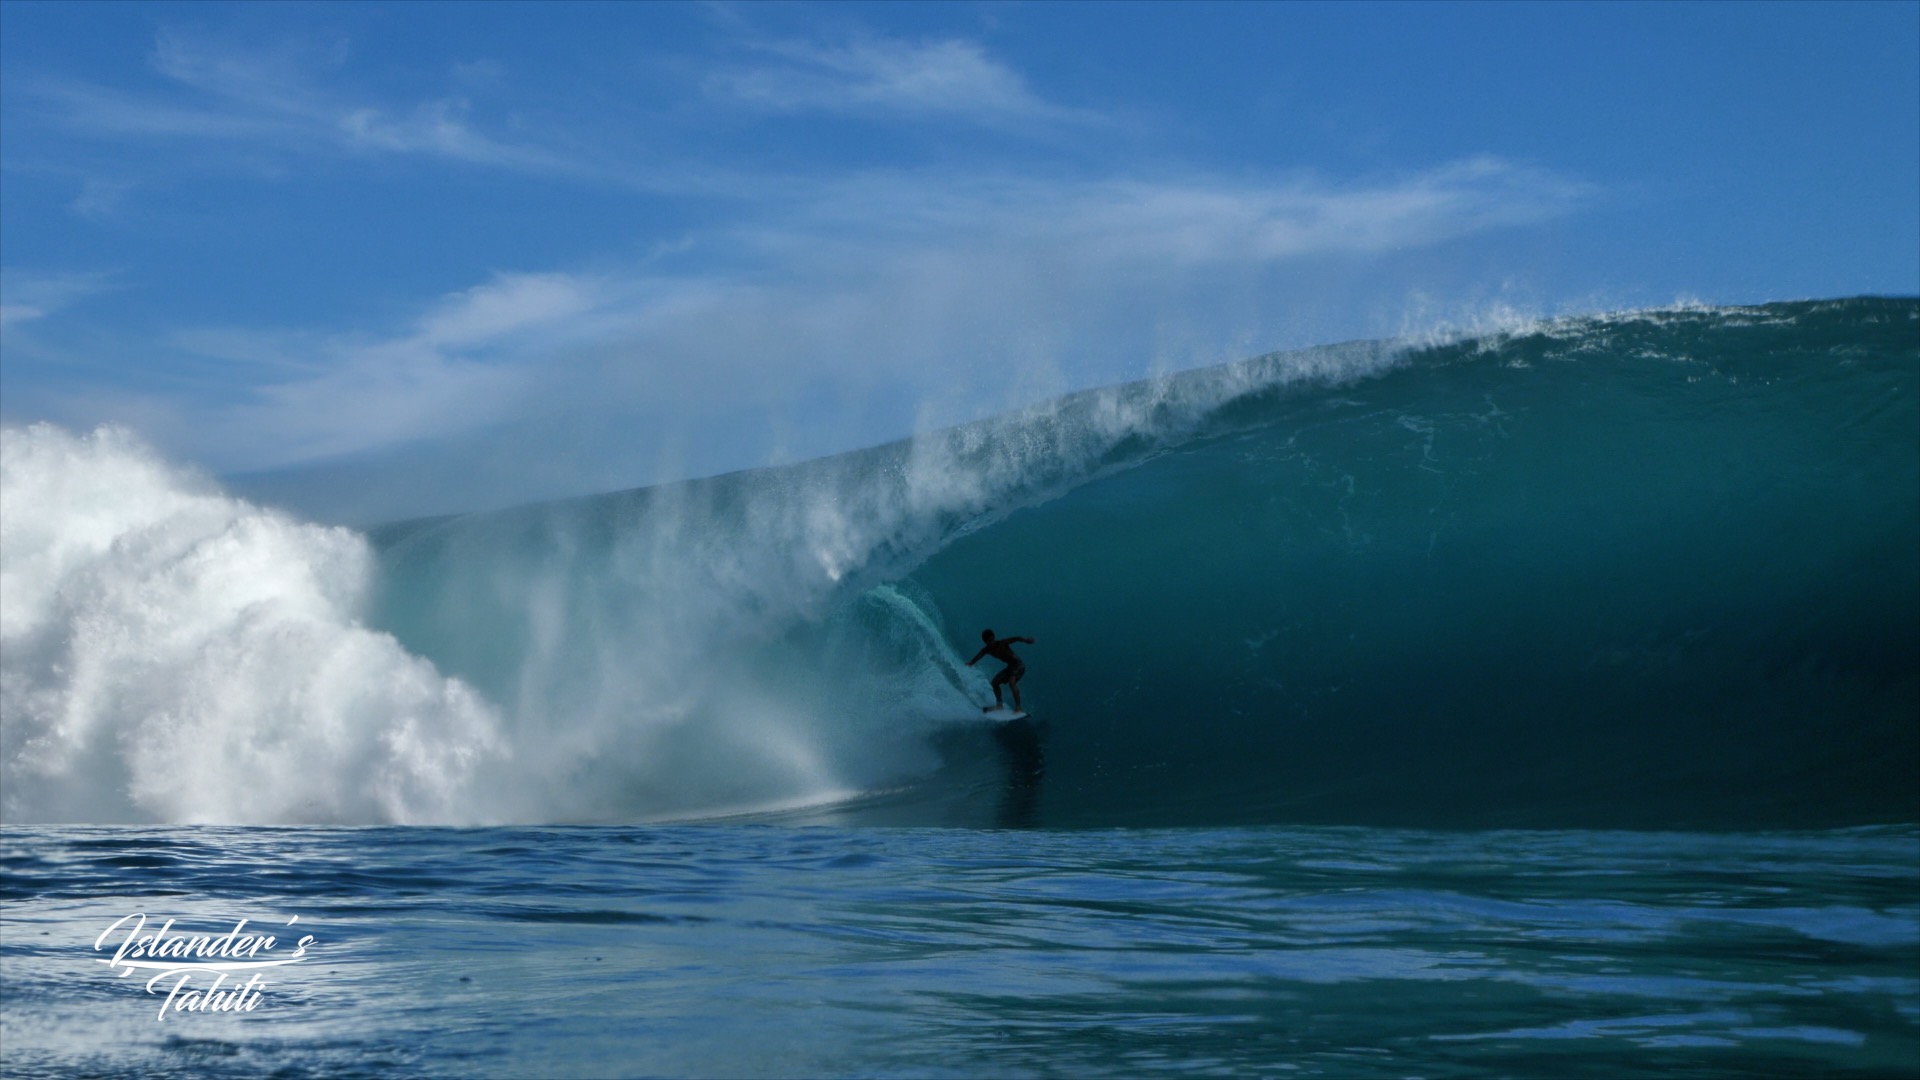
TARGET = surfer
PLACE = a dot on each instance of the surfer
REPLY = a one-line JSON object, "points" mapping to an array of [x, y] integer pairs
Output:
{"points": [[1001, 649]]}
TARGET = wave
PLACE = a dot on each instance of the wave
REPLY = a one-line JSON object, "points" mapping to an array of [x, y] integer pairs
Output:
{"points": [[1653, 568]]}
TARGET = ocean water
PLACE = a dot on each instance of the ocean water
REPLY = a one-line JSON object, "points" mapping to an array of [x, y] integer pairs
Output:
{"points": [[748, 950], [1538, 702]]}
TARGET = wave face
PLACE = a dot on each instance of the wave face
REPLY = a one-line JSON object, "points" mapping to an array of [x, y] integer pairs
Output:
{"points": [[1655, 569], [1651, 571]]}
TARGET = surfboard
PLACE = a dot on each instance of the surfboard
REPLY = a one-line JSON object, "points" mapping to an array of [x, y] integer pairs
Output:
{"points": [[1002, 712]]}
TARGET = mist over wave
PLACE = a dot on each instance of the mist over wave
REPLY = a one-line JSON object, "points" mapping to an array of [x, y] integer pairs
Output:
{"points": [[749, 641], [175, 655], [1653, 568]]}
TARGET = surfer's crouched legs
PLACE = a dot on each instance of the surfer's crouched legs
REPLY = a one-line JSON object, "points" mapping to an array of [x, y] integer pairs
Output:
{"points": [[1009, 677]]}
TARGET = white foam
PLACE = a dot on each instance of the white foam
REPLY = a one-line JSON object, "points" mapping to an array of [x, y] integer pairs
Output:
{"points": [[170, 654]]}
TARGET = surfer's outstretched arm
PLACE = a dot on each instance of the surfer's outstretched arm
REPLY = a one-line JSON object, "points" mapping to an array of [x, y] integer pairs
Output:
{"points": [[976, 657]]}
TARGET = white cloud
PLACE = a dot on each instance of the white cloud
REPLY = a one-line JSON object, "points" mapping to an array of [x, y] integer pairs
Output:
{"points": [[26, 296], [509, 304], [303, 394], [368, 396], [275, 98], [875, 74], [1205, 219], [100, 197], [442, 128], [1200, 222], [273, 80], [260, 104], [101, 111]]}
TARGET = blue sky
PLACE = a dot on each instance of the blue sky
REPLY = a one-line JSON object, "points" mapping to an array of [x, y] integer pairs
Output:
{"points": [[437, 256]]}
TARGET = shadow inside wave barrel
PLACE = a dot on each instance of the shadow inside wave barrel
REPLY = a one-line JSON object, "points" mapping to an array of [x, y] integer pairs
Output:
{"points": [[1648, 573]]}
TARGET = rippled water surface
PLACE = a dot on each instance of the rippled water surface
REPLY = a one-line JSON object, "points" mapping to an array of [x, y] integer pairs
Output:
{"points": [[763, 950]]}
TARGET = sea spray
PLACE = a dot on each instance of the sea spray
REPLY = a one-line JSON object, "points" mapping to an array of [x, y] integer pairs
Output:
{"points": [[713, 646], [174, 655]]}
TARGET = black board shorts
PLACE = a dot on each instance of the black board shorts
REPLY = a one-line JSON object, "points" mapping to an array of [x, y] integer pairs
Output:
{"points": [[1012, 671]]}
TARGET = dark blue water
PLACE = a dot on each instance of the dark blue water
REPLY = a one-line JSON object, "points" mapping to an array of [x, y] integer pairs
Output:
{"points": [[776, 951]]}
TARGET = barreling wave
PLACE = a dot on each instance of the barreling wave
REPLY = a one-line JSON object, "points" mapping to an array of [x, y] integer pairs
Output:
{"points": [[1644, 569]]}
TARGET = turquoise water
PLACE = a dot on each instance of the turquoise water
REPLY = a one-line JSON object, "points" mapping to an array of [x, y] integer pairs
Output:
{"points": [[779, 951]]}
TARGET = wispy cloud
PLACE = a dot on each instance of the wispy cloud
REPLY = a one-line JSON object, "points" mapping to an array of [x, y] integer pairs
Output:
{"points": [[510, 304], [1204, 218], [443, 128], [26, 295], [280, 98], [856, 298], [876, 75], [102, 111], [259, 104], [462, 362], [867, 305], [100, 197]]}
